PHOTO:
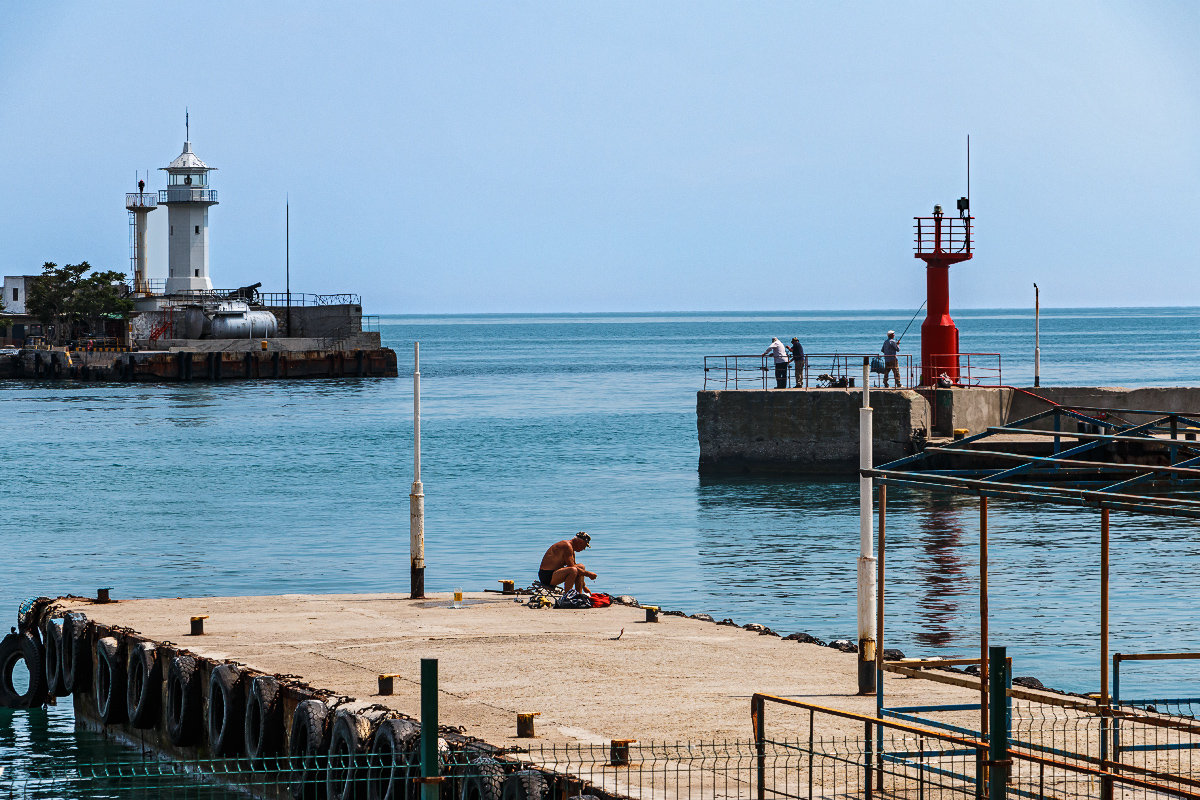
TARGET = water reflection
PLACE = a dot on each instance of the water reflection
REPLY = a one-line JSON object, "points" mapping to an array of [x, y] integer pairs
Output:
{"points": [[945, 575]]}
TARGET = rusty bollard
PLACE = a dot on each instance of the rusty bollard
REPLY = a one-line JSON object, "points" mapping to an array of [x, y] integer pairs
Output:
{"points": [[618, 752], [507, 586], [525, 725], [386, 685], [102, 595], [651, 613], [198, 625]]}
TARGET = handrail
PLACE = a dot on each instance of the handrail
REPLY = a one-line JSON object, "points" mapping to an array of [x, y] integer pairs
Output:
{"points": [[183, 195], [874, 761], [158, 286]]}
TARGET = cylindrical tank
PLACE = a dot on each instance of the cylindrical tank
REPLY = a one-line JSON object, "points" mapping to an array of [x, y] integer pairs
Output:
{"points": [[248, 325], [189, 323]]}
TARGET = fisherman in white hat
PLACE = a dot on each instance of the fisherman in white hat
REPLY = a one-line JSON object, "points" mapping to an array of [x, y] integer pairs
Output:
{"points": [[779, 353], [890, 363]]}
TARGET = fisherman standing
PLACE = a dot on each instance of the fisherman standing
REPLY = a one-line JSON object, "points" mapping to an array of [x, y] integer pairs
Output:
{"points": [[890, 363], [797, 352], [779, 353]]}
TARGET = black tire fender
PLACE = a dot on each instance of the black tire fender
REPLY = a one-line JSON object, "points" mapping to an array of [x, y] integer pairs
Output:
{"points": [[483, 779], [308, 743], [525, 784], [263, 729], [109, 681], [143, 686], [183, 701], [226, 711], [76, 655], [52, 662], [348, 740], [14, 648], [394, 762]]}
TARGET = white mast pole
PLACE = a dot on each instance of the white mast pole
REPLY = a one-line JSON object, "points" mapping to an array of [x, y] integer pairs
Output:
{"points": [[416, 499], [866, 557], [1037, 336]]}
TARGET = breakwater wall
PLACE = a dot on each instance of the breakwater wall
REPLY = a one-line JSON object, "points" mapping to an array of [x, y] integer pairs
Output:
{"points": [[209, 363], [816, 431], [803, 431]]}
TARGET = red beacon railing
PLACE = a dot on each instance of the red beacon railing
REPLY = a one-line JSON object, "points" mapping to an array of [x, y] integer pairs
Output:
{"points": [[940, 242]]}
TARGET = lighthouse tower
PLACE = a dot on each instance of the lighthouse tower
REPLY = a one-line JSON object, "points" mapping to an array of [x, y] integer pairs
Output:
{"points": [[941, 241], [187, 198], [139, 204]]}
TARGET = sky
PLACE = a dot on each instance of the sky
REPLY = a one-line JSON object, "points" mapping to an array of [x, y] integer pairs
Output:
{"points": [[515, 157]]}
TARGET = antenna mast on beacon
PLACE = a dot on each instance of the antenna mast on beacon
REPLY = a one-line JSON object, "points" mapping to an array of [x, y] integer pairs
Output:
{"points": [[941, 242]]}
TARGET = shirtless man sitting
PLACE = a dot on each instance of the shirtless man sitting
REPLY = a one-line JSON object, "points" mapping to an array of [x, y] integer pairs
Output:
{"points": [[559, 565]]}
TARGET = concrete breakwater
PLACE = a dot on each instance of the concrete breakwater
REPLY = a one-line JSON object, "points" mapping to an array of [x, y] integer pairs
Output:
{"points": [[291, 687], [279, 359], [816, 431]]}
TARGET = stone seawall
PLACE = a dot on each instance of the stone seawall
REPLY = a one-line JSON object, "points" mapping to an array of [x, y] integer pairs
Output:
{"points": [[805, 431], [815, 431], [201, 364]]}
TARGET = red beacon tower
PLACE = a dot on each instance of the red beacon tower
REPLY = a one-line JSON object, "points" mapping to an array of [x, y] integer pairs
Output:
{"points": [[941, 242]]}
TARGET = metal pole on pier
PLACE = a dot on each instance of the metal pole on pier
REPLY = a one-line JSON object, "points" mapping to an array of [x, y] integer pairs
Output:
{"points": [[1037, 336], [430, 780], [866, 557], [416, 498]]}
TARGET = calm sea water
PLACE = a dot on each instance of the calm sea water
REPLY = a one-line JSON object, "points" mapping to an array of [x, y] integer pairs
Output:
{"points": [[538, 426]]}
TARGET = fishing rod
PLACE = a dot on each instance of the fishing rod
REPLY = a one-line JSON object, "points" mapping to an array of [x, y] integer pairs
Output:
{"points": [[911, 321]]}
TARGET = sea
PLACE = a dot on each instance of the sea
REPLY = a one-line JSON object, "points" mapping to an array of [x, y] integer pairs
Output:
{"points": [[535, 426]]}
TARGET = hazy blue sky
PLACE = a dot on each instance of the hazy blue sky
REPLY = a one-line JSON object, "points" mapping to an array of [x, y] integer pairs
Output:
{"points": [[603, 156]]}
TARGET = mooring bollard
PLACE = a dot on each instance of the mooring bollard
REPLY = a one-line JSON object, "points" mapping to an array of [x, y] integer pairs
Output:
{"points": [[386, 685], [507, 586], [198, 625], [618, 752], [102, 595], [525, 725], [651, 613]]}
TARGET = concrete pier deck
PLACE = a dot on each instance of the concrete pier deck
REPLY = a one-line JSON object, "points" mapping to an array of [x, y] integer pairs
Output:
{"points": [[593, 675]]}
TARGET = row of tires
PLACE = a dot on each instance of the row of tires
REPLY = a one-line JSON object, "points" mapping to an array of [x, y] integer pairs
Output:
{"points": [[328, 752]]}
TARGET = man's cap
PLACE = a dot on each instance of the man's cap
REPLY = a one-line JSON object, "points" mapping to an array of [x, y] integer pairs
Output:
{"points": [[891, 333], [794, 339], [586, 538]]}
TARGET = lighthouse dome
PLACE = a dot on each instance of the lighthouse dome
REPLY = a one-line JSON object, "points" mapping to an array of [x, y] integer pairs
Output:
{"points": [[187, 161]]}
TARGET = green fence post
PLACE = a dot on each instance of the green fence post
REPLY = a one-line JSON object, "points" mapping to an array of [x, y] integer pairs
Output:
{"points": [[429, 728], [998, 723]]}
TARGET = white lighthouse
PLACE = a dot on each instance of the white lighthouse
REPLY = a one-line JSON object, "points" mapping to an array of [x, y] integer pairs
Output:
{"points": [[187, 198]]}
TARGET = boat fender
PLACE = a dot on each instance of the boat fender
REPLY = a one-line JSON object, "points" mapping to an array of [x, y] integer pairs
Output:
{"points": [[183, 701], [263, 719], [143, 693], [110, 681], [76, 655], [348, 739], [52, 637], [483, 779], [525, 784], [395, 759], [226, 711], [16, 647], [307, 746]]}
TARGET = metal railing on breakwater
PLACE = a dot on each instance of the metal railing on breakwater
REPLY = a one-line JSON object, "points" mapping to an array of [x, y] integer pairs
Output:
{"points": [[824, 370]]}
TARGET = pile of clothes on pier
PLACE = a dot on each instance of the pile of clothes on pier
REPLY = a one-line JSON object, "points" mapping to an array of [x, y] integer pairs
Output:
{"points": [[542, 596]]}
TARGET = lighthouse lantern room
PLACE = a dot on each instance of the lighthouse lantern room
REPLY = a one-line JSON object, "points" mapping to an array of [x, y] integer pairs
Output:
{"points": [[187, 198]]}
